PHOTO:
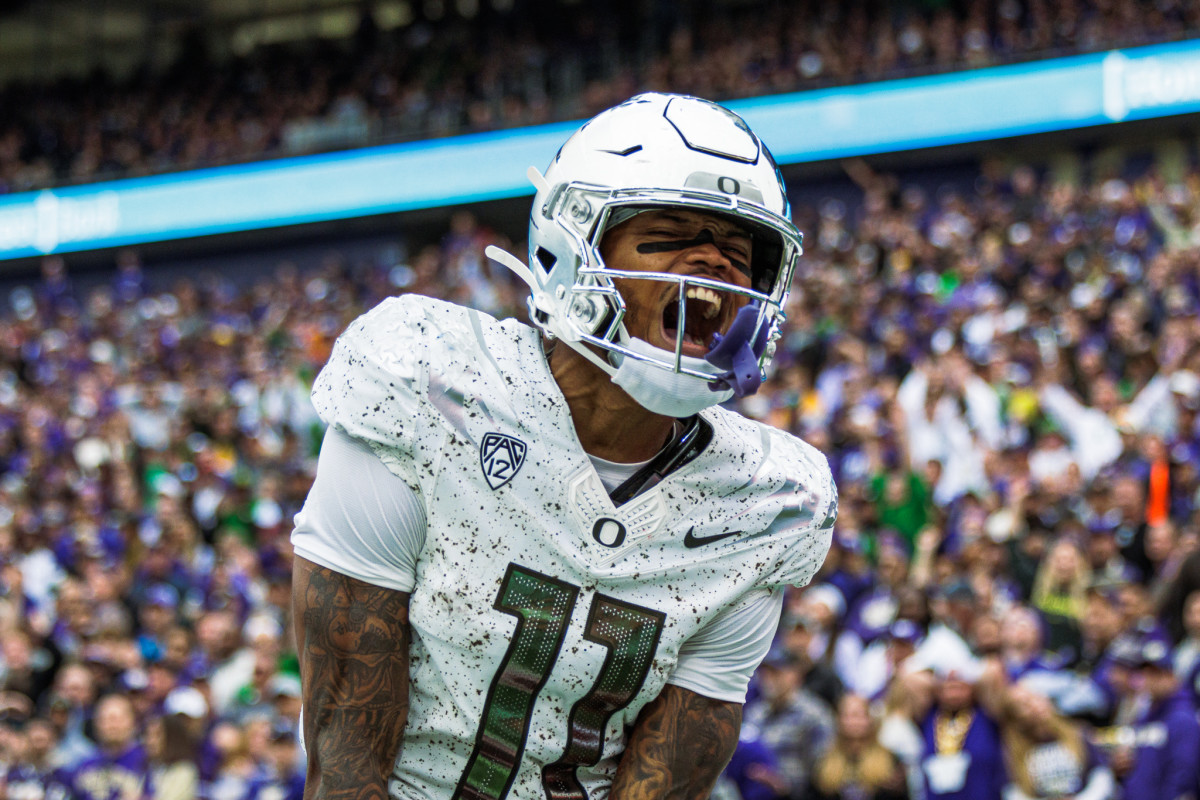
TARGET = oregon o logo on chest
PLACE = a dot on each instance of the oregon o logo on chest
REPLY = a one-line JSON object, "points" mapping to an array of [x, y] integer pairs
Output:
{"points": [[609, 532]]}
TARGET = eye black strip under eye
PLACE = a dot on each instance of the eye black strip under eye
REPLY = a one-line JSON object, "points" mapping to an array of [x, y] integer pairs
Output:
{"points": [[649, 248]]}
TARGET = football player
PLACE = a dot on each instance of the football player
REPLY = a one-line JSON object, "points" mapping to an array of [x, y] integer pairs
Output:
{"points": [[544, 562]]}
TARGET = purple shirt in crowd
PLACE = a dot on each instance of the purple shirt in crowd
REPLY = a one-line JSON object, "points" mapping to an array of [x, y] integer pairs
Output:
{"points": [[976, 772], [1168, 739]]}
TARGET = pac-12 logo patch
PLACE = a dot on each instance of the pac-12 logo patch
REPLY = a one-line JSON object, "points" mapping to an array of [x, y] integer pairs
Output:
{"points": [[501, 457]]}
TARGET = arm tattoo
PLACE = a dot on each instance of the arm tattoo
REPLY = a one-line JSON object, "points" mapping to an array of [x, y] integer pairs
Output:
{"points": [[353, 641], [680, 744]]}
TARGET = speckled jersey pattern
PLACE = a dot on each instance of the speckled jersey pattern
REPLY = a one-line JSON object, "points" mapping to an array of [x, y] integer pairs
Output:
{"points": [[543, 617]]}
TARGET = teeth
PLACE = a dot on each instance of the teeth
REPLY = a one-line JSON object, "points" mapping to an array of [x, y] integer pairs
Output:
{"points": [[708, 296]]}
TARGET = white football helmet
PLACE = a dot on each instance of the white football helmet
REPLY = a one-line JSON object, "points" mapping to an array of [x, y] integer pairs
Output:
{"points": [[654, 151]]}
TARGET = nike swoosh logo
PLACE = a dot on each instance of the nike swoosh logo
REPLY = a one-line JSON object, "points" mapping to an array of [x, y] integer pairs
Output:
{"points": [[690, 540]]}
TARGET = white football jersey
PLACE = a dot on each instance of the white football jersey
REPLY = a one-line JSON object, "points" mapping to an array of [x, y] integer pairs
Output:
{"points": [[543, 617]]}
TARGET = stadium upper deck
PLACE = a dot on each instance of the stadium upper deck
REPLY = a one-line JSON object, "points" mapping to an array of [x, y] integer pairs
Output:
{"points": [[530, 63]]}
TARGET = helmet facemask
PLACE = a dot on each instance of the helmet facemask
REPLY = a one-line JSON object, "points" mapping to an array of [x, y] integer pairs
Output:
{"points": [[596, 309]]}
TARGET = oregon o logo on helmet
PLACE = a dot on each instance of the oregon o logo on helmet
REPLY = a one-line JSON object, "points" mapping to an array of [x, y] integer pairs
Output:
{"points": [[725, 181], [609, 532]]}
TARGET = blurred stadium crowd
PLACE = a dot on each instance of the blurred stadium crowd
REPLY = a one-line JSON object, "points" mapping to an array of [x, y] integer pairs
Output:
{"points": [[501, 70], [1006, 380]]}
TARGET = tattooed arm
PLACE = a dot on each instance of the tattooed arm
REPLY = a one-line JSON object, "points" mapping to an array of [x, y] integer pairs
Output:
{"points": [[353, 640], [679, 745]]}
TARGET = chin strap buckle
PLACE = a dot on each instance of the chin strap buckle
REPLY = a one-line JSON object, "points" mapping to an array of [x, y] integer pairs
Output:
{"points": [[738, 352]]}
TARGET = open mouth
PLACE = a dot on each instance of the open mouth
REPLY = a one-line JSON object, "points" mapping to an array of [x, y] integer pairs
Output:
{"points": [[705, 312]]}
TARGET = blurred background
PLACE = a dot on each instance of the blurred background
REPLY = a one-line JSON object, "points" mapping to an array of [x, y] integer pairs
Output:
{"points": [[993, 335]]}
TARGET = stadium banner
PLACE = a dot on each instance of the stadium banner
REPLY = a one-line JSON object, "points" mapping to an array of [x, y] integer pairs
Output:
{"points": [[997, 102]]}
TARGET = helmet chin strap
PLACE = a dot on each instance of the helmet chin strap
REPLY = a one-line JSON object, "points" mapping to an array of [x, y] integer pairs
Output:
{"points": [[515, 264], [537, 179], [541, 300], [512, 262]]}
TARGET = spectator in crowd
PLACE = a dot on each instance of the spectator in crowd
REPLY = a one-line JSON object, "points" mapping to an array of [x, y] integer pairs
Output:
{"points": [[119, 768], [31, 767], [283, 774], [1049, 756], [1186, 661], [1086, 690], [962, 756], [824, 605], [284, 693], [886, 658], [1173, 601], [1160, 761], [1091, 438], [70, 708], [156, 616], [234, 770], [1021, 644], [952, 611], [901, 501], [254, 697], [23, 669], [1059, 593], [1105, 559], [899, 732], [753, 771], [870, 616], [13, 746], [856, 765], [171, 749], [227, 663], [796, 639], [792, 722]]}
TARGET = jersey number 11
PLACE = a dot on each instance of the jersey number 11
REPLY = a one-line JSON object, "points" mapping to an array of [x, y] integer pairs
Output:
{"points": [[543, 606]]}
